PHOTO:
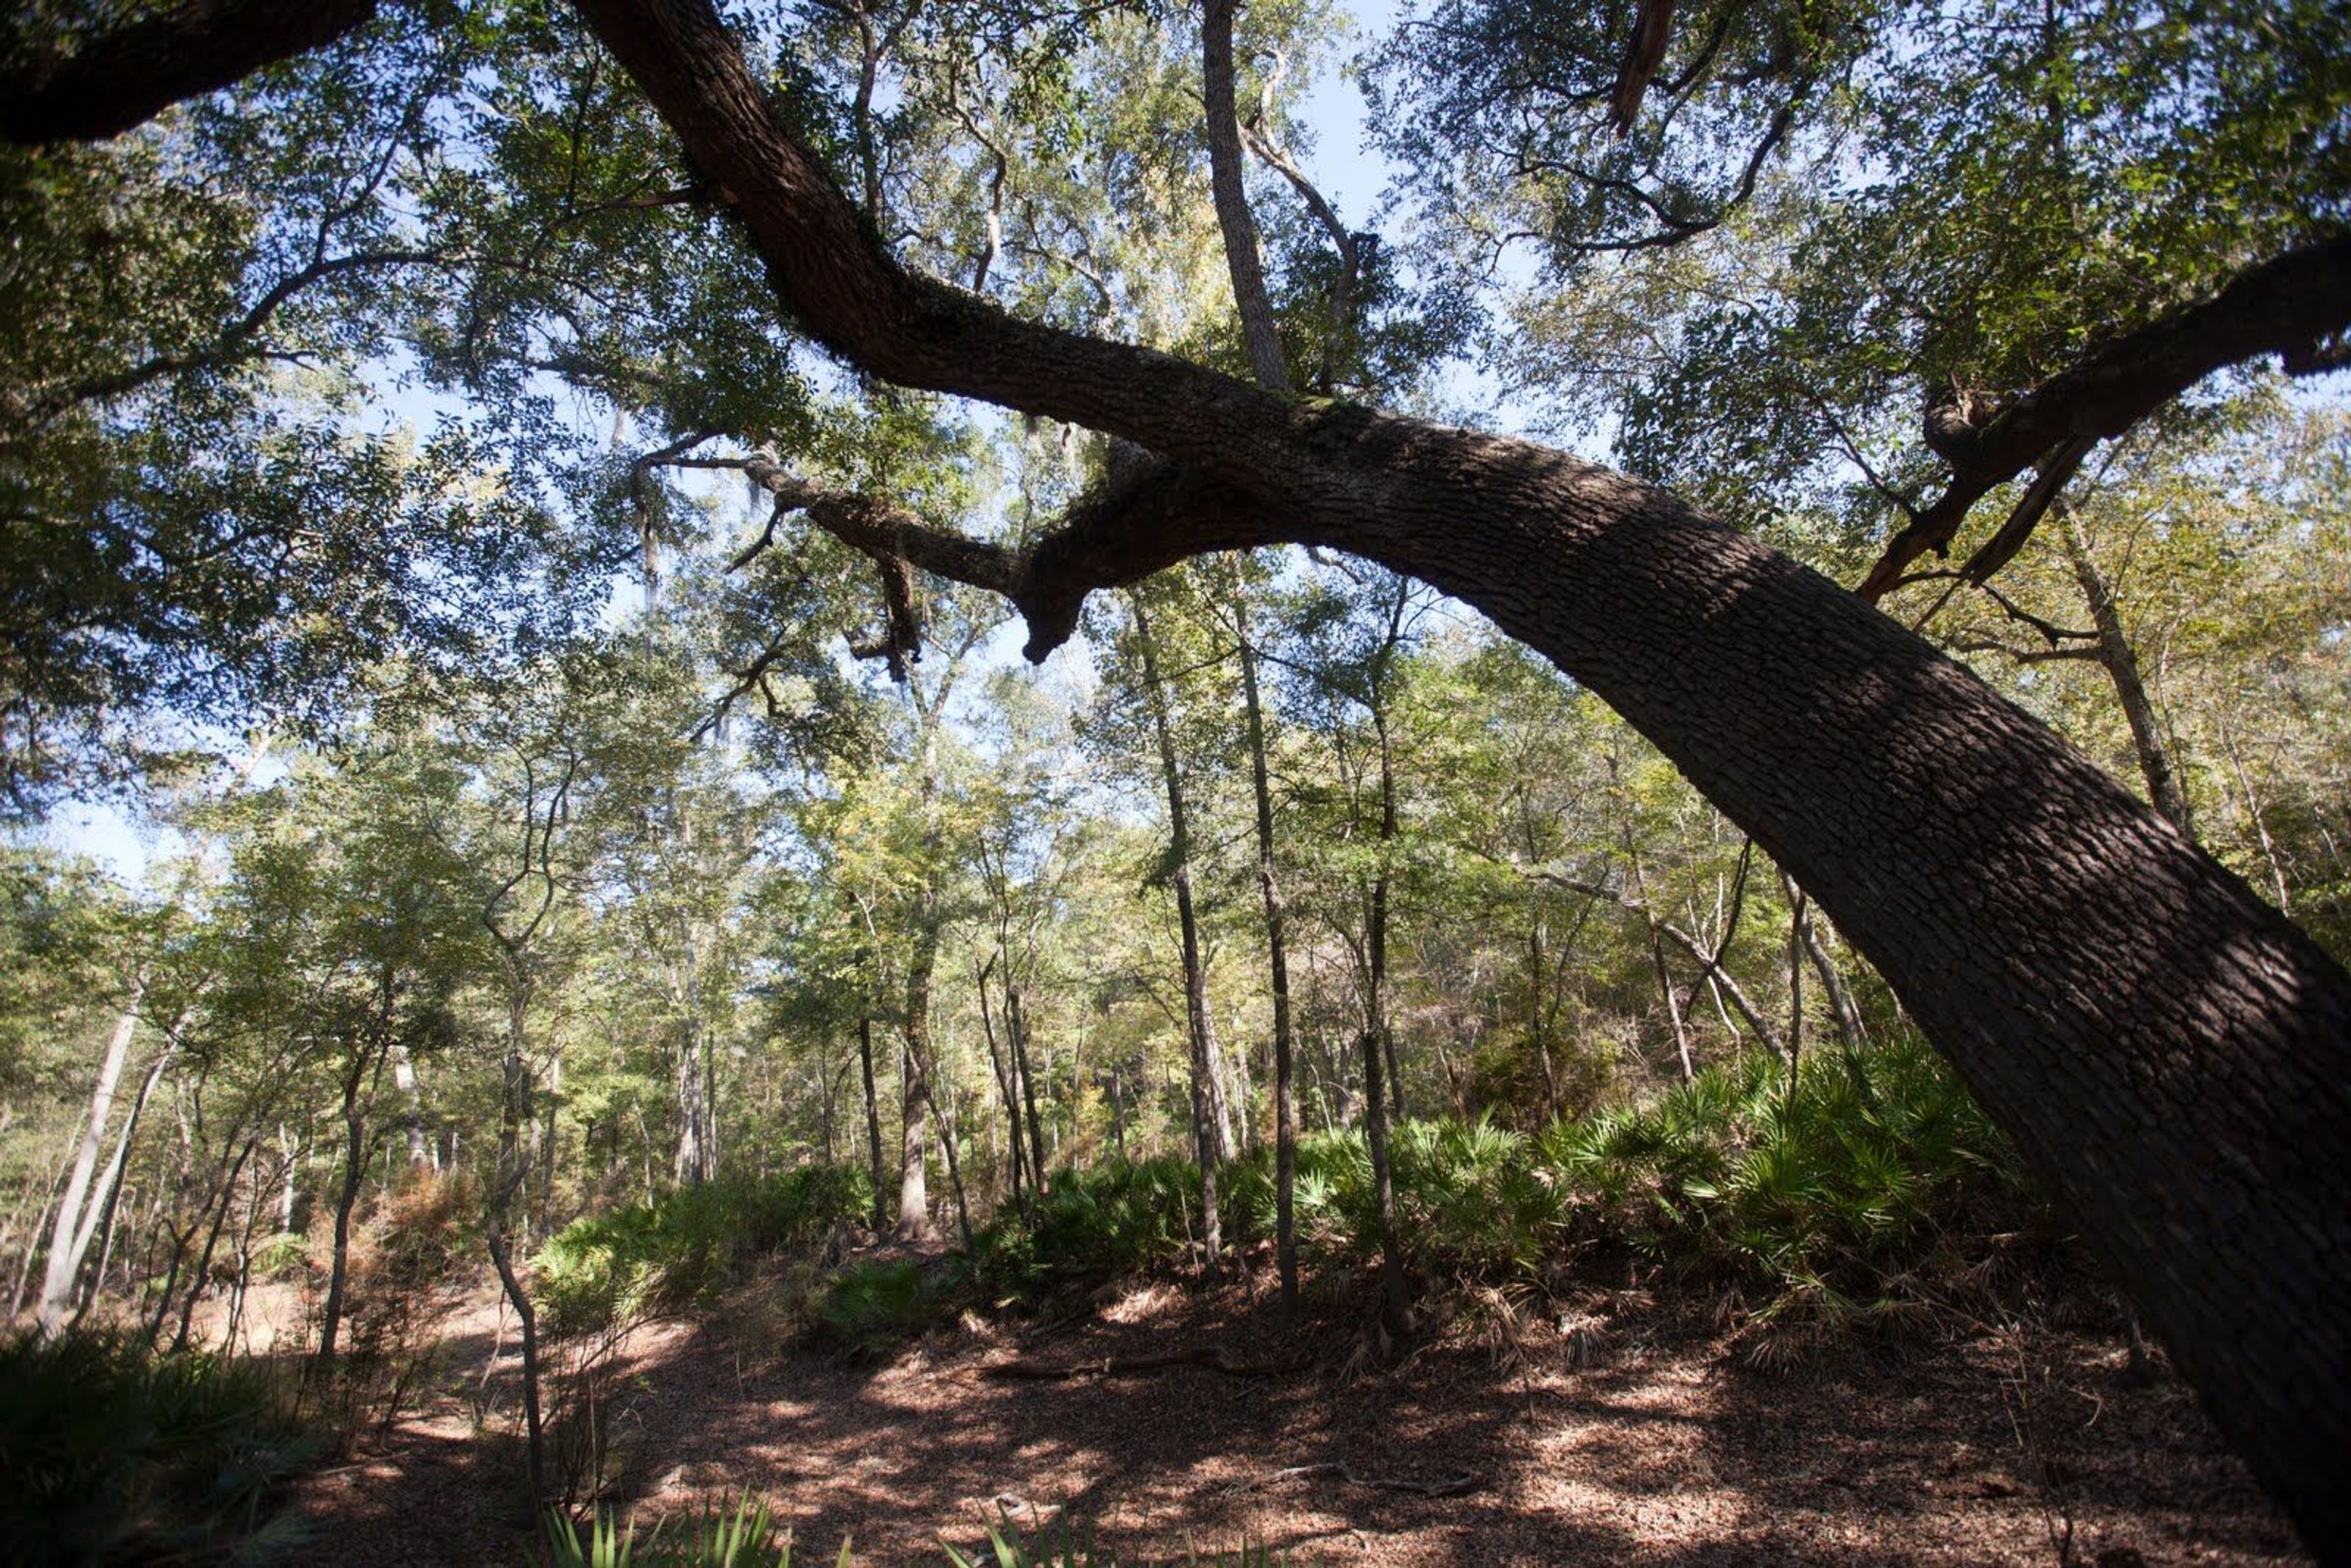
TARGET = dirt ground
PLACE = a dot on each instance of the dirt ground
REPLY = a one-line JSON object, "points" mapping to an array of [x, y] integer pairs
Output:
{"points": [[1648, 1441]]}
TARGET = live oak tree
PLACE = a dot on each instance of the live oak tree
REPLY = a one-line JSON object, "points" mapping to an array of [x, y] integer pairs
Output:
{"points": [[2168, 1051]]}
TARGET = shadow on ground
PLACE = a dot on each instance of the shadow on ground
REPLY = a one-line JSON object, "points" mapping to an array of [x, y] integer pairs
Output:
{"points": [[1664, 1451]]}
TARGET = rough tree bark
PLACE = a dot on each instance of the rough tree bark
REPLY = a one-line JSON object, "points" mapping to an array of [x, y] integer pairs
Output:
{"points": [[2170, 1054]]}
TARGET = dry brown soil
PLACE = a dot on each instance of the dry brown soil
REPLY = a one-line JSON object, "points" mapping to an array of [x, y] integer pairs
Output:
{"points": [[1975, 1447]]}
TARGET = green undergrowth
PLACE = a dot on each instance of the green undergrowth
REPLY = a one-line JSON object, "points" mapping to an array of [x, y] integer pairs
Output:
{"points": [[1113, 1219], [690, 1244], [109, 1455], [871, 1306], [1871, 1171], [1848, 1196]]}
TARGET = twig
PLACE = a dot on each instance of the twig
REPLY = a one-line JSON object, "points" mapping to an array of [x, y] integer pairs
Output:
{"points": [[1207, 1357], [1452, 1486]]}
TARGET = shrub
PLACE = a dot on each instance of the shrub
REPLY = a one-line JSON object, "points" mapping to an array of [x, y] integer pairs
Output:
{"points": [[1831, 1191], [110, 1456], [1120, 1217], [692, 1242], [869, 1308]]}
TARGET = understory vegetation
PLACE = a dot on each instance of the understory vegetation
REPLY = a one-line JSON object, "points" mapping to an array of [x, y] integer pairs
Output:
{"points": [[109, 1455], [1855, 1191], [744, 1537]]}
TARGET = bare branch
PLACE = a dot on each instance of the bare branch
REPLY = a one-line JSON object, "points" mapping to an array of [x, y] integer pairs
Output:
{"points": [[1709, 964]]}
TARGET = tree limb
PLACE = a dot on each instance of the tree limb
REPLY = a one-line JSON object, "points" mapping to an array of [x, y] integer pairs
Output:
{"points": [[119, 78], [1144, 520], [2297, 305], [1340, 345], [1233, 216], [1642, 54], [849, 295]]}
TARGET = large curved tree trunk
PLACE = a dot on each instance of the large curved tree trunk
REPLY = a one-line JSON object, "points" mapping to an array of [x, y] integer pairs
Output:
{"points": [[2172, 1056], [2169, 1053]]}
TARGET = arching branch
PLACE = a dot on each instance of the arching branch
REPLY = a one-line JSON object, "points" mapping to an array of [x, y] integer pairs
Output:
{"points": [[2297, 305]]}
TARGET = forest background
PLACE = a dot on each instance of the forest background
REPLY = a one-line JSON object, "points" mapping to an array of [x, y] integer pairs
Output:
{"points": [[569, 795]]}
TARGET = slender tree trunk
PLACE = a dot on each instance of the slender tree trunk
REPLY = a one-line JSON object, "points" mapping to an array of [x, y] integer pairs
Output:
{"points": [[70, 1236], [872, 1115], [526, 1319], [1016, 1025], [1379, 1041], [355, 1109], [292, 1145], [1285, 1096], [1673, 1003], [202, 1280], [691, 1161], [712, 1143], [1226, 187], [913, 1183], [1395, 1291], [944, 1126], [546, 1157], [1538, 1012], [914, 1190], [2120, 660], [1196, 987], [512, 1181], [1377, 937], [243, 1283], [1014, 1156], [2279, 888], [111, 1186], [1851, 1033], [40, 1194], [1117, 1117], [404, 1078], [1797, 906]]}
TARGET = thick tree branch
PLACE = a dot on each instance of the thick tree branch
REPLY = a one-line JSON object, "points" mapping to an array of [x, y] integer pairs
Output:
{"points": [[2297, 305], [1643, 53], [1141, 521], [849, 295], [117, 80]]}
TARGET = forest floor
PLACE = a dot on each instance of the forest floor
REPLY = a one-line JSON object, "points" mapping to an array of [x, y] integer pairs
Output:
{"points": [[1644, 1441]]}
